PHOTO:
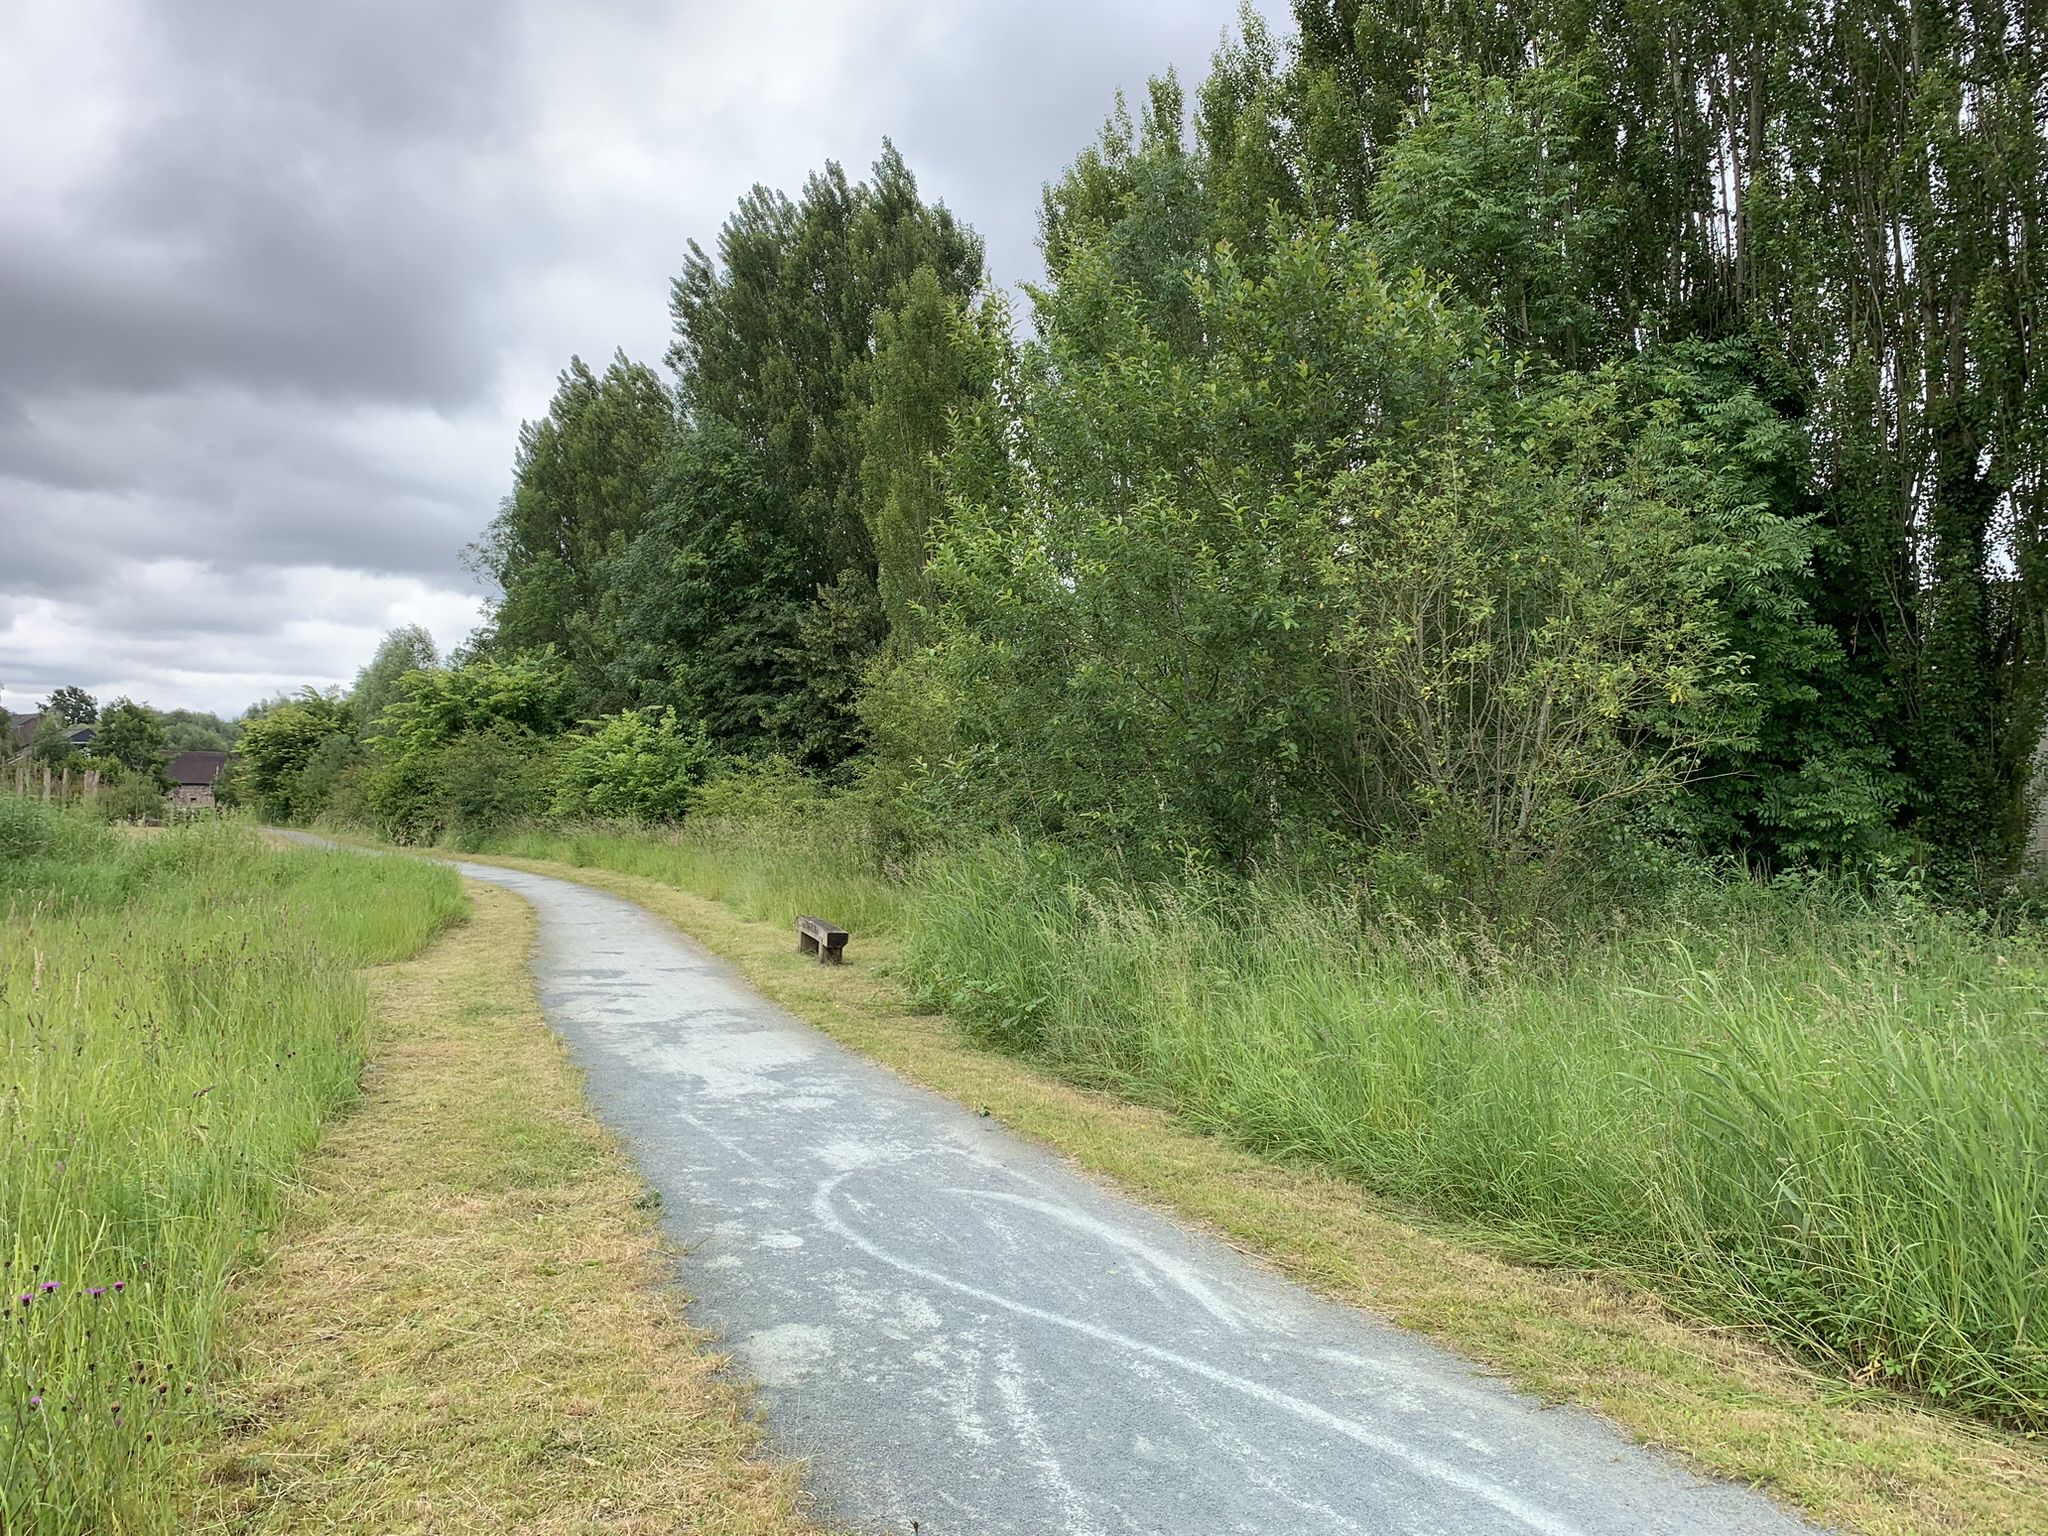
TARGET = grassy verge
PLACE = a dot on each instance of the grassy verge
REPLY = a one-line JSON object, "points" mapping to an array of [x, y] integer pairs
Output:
{"points": [[1800, 1112], [178, 1017], [1838, 1447], [468, 1326]]}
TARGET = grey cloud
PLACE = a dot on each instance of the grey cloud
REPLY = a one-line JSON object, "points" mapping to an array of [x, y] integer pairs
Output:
{"points": [[279, 281], [287, 208]]}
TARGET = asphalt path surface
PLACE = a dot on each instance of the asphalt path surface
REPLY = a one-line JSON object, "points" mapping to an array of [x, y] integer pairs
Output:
{"points": [[964, 1336]]}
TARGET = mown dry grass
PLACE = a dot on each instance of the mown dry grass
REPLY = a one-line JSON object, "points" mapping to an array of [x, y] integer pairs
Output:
{"points": [[1862, 1461], [468, 1324]]}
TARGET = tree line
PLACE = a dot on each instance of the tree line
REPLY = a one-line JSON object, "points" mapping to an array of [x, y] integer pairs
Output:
{"points": [[1479, 441]]}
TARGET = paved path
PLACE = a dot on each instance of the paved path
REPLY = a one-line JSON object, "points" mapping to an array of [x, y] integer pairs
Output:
{"points": [[968, 1338]]}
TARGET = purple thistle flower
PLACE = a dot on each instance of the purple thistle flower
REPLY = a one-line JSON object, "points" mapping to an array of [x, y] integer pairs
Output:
{"points": [[120, 1285], [36, 1401], [95, 1290], [49, 1286], [26, 1298]]}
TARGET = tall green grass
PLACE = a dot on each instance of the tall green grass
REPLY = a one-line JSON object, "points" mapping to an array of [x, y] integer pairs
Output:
{"points": [[177, 1018], [1801, 1111], [771, 871], [1815, 1113]]}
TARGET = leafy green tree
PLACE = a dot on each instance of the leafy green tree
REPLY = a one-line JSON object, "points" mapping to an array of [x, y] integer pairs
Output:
{"points": [[774, 355], [583, 486], [1487, 188], [528, 694], [1859, 190], [194, 730], [282, 744], [933, 364], [703, 607], [72, 705], [132, 735], [50, 745], [1226, 595], [403, 651]]}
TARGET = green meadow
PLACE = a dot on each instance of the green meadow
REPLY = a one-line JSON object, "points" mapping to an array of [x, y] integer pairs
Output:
{"points": [[179, 1014]]}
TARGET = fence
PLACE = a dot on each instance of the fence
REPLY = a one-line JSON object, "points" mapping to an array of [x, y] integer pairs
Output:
{"points": [[35, 780]]}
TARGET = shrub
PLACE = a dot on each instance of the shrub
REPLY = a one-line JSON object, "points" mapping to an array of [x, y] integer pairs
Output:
{"points": [[490, 780], [641, 765], [131, 797]]}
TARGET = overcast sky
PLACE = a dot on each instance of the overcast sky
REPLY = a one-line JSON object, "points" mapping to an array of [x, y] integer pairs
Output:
{"points": [[279, 281]]}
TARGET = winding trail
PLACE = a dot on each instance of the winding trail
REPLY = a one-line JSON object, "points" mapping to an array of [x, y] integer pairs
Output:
{"points": [[966, 1337]]}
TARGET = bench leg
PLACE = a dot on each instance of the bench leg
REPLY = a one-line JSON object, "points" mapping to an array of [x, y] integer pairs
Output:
{"points": [[830, 954], [806, 945]]}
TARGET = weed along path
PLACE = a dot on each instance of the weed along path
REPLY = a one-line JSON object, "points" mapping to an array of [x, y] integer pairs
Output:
{"points": [[965, 1337]]}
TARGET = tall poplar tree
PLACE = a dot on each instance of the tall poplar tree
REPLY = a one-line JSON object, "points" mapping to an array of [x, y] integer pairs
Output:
{"points": [[584, 482], [774, 352]]}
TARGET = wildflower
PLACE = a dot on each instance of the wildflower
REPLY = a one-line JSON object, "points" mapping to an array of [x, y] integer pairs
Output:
{"points": [[26, 1298], [36, 1401], [49, 1286], [95, 1290], [120, 1285]]}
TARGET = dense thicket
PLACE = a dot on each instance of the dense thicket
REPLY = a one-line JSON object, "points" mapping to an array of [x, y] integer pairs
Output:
{"points": [[1489, 439], [709, 550], [1853, 192]]}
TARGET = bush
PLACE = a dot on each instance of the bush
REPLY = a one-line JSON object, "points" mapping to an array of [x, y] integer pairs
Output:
{"points": [[490, 780], [768, 791], [468, 788], [641, 765], [131, 797]]}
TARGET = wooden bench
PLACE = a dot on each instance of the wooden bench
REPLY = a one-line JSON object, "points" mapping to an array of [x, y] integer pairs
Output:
{"points": [[815, 936]]}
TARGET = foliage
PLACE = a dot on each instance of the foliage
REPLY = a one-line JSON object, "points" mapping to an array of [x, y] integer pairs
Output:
{"points": [[932, 363], [1327, 572], [638, 766], [402, 651], [783, 384], [1857, 191], [584, 486], [196, 730], [73, 705], [132, 735], [703, 604], [525, 694], [50, 745], [486, 780], [177, 1018], [279, 746]]}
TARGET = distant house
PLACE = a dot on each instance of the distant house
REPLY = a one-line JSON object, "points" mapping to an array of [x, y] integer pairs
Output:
{"points": [[192, 776], [19, 732]]}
